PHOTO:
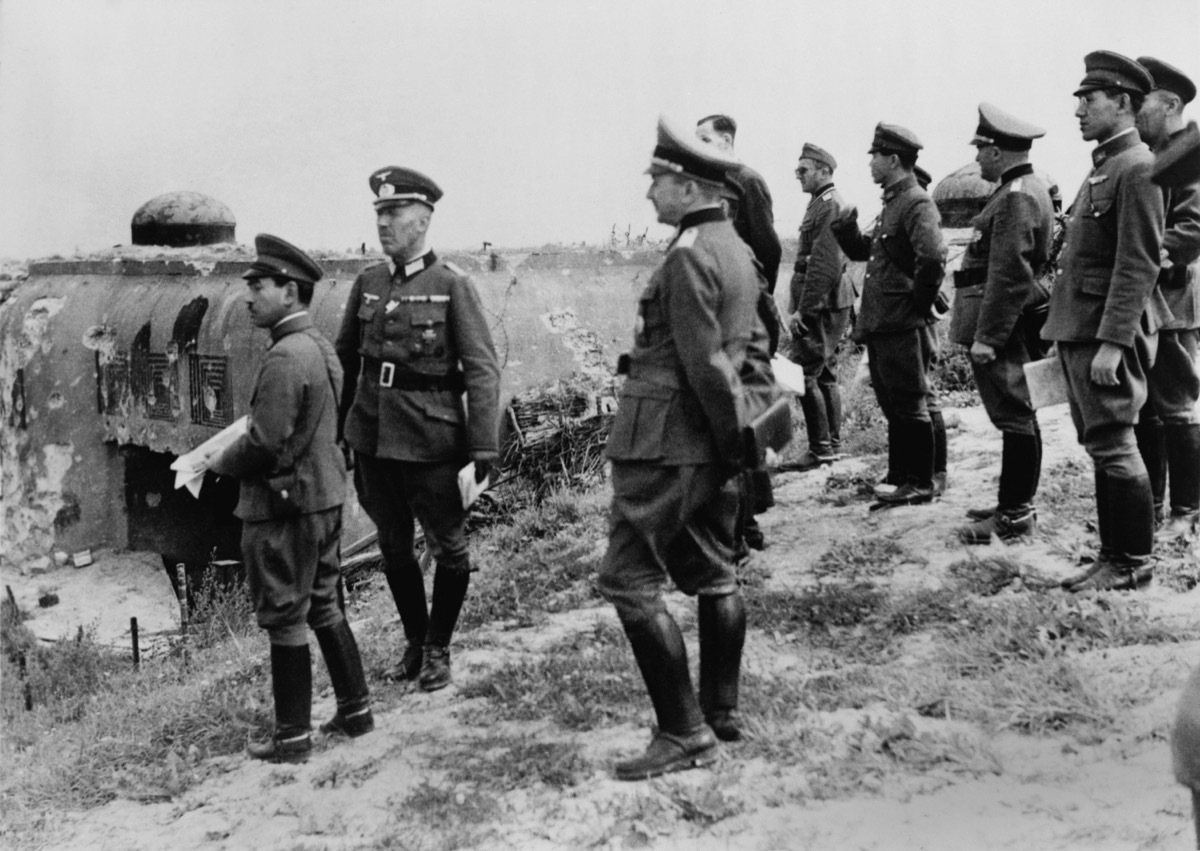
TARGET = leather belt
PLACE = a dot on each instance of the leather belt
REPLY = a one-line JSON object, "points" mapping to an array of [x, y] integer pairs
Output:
{"points": [[395, 377]]}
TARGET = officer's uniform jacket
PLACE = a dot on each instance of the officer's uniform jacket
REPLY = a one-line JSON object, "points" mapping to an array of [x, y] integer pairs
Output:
{"points": [[415, 341], [292, 425], [754, 220], [1110, 258], [906, 258], [1008, 252], [682, 402], [819, 282], [1180, 282]]}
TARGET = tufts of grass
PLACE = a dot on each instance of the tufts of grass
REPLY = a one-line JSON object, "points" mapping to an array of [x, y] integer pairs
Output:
{"points": [[584, 682], [222, 609], [454, 815], [508, 762], [989, 575], [543, 562], [859, 557]]}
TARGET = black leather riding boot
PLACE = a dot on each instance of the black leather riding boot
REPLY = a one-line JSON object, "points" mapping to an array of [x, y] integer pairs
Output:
{"points": [[1152, 444], [1183, 466], [349, 682], [291, 685], [833, 415], [407, 585], [1019, 465], [722, 624], [661, 655], [938, 422], [1131, 508], [816, 424], [449, 590]]}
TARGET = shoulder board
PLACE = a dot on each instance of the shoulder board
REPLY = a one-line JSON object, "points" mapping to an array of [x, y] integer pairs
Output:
{"points": [[686, 239], [455, 268]]}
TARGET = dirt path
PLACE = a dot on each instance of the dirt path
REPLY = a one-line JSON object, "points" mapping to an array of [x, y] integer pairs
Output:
{"points": [[1028, 791]]}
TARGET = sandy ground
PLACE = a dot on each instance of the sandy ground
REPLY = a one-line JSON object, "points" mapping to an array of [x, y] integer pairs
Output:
{"points": [[1039, 792]]}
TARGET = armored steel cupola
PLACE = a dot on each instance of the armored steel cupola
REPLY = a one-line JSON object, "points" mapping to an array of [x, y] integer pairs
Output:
{"points": [[961, 195], [180, 219]]}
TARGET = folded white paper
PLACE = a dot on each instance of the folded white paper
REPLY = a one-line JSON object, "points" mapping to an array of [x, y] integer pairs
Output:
{"points": [[468, 488], [789, 376], [1047, 382], [190, 468]]}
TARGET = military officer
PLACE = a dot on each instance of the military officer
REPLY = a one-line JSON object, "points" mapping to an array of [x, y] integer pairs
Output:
{"points": [[676, 447], [906, 257], [1168, 433], [293, 482], [1178, 162], [751, 210], [1098, 318], [997, 283], [414, 339], [819, 305]]}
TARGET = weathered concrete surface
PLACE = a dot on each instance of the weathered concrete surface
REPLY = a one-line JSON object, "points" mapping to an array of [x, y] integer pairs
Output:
{"points": [[102, 361]]}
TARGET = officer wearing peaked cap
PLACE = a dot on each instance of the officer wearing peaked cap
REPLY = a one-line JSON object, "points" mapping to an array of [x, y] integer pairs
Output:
{"points": [[293, 482], [906, 258], [413, 340], [1102, 317], [676, 447], [997, 296], [1168, 433], [819, 304]]}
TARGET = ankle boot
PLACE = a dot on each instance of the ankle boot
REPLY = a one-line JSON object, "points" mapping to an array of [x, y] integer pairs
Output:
{"points": [[291, 684], [722, 624], [340, 650], [682, 740], [1152, 444]]}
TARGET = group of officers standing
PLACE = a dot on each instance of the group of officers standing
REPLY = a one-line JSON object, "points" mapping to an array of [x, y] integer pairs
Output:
{"points": [[687, 474]]}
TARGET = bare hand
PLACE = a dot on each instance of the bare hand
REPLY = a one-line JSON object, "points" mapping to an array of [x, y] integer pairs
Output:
{"points": [[796, 325], [1105, 363], [982, 353]]}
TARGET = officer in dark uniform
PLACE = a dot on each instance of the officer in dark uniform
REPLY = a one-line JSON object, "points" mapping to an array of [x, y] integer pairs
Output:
{"points": [[819, 305], [995, 289], [293, 482], [751, 210], [906, 258], [1178, 162], [1104, 334], [1168, 433], [676, 447], [414, 339]]}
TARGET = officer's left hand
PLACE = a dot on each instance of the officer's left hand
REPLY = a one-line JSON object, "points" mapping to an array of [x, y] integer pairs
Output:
{"points": [[1105, 363], [982, 352], [482, 469]]}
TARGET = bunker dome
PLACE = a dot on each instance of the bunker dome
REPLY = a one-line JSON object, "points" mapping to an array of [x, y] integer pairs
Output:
{"points": [[962, 194], [180, 219]]}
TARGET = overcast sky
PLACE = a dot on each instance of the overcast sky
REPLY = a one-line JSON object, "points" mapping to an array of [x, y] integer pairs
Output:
{"points": [[537, 117]]}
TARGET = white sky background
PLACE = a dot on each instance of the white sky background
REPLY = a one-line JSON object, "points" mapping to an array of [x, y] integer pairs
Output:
{"points": [[537, 117]]}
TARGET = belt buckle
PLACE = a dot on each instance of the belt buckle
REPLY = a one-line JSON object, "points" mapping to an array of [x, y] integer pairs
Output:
{"points": [[387, 372]]}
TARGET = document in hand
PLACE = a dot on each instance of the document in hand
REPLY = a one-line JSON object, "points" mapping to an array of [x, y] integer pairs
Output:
{"points": [[468, 488], [189, 469], [1047, 383], [789, 376]]}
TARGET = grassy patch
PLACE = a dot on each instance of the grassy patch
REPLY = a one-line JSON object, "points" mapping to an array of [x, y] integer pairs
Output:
{"points": [[863, 557], [582, 683], [541, 563], [508, 762]]}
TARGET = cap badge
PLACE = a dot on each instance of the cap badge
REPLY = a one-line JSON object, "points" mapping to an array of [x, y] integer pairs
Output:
{"points": [[386, 190]]}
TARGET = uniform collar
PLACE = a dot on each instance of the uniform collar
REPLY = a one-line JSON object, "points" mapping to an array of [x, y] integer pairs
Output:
{"points": [[904, 183], [415, 266], [699, 217], [823, 191], [1015, 172], [1114, 145], [290, 324]]}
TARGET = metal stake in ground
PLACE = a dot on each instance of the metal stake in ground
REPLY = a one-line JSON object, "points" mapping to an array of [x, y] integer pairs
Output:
{"points": [[181, 592], [133, 632]]}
